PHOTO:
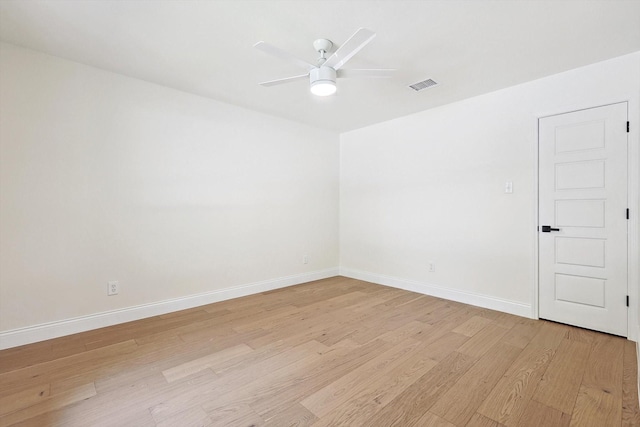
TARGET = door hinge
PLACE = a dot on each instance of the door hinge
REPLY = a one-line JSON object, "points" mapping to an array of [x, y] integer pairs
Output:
{"points": [[627, 300], [627, 127], [627, 213]]}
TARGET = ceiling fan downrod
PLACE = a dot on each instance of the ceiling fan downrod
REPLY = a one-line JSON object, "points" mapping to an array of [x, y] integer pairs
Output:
{"points": [[322, 46]]}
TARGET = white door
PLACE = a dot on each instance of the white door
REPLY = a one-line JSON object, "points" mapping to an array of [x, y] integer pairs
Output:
{"points": [[583, 218]]}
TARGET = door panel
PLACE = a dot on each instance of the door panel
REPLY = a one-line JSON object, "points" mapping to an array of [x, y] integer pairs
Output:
{"points": [[580, 175], [588, 252], [583, 194], [580, 213], [580, 290], [580, 136]]}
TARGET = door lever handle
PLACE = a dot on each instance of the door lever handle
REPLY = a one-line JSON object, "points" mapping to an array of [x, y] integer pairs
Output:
{"points": [[547, 229]]}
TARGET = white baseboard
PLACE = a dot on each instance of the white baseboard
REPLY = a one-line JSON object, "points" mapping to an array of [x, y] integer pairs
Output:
{"points": [[45, 331], [506, 306]]}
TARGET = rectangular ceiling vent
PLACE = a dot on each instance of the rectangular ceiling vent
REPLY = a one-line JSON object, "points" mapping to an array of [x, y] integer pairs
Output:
{"points": [[425, 84]]}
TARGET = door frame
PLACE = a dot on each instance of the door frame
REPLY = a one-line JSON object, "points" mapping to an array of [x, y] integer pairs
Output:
{"points": [[633, 202]]}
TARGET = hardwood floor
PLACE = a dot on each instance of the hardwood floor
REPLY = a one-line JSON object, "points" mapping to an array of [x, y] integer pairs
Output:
{"points": [[336, 352]]}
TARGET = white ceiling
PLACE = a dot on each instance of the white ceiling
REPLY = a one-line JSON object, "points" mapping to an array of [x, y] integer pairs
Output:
{"points": [[205, 47]]}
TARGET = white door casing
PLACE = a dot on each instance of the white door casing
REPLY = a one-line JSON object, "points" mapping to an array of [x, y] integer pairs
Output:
{"points": [[583, 194]]}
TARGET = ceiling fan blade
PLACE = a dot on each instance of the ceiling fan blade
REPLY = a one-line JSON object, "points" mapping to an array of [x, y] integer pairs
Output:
{"points": [[279, 53], [285, 80], [377, 73], [352, 46]]}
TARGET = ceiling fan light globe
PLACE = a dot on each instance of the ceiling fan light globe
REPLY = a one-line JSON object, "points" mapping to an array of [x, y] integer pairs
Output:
{"points": [[323, 88]]}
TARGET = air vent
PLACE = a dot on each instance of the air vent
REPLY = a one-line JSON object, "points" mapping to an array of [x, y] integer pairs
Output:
{"points": [[425, 84]]}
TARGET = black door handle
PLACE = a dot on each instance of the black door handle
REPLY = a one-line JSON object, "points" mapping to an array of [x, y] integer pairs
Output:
{"points": [[547, 228]]}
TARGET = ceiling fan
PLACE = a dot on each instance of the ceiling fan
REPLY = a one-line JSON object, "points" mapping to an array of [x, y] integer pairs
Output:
{"points": [[322, 77]]}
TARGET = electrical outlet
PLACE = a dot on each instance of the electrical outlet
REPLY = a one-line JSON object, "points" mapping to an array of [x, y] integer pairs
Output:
{"points": [[113, 287], [431, 266], [305, 259]]}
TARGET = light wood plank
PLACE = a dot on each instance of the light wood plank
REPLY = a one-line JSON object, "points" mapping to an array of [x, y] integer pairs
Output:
{"points": [[462, 400], [375, 391], [510, 397], [234, 388], [473, 326], [605, 365], [328, 398], [538, 414], [431, 420], [407, 408], [49, 404], [522, 333], [482, 341], [479, 420], [72, 365], [210, 361], [559, 385], [24, 399], [294, 416], [412, 329], [233, 415], [596, 408], [379, 393], [192, 417], [315, 376]]}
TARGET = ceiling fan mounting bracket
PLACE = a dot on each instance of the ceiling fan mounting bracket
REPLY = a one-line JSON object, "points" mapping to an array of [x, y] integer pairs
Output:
{"points": [[322, 45]]}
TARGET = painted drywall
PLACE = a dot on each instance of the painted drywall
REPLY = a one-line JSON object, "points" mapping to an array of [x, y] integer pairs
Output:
{"points": [[105, 177], [429, 188]]}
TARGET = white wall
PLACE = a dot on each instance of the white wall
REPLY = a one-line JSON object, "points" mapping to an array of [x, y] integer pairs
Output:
{"points": [[430, 187], [105, 177]]}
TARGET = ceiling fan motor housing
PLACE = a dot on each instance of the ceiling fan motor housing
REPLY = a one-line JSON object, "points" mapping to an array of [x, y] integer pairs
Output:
{"points": [[322, 76]]}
